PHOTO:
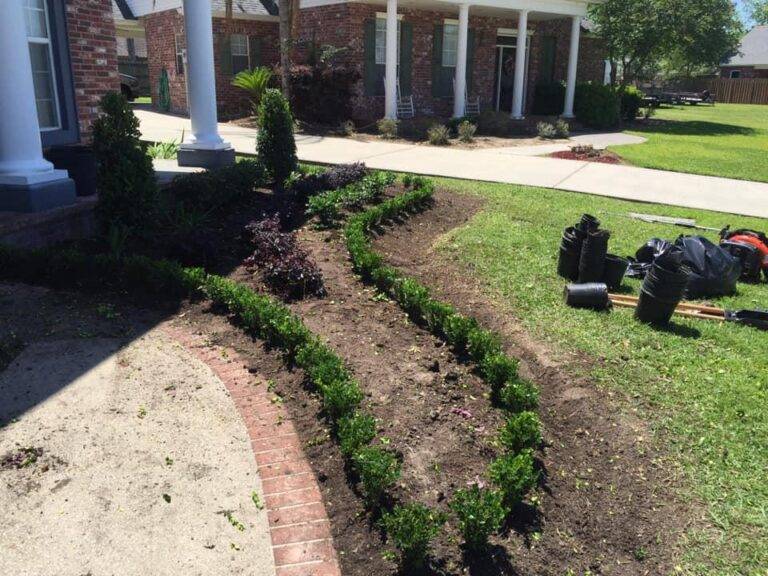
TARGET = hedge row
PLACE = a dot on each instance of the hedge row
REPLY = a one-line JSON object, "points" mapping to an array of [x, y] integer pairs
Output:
{"points": [[480, 511], [329, 205]]}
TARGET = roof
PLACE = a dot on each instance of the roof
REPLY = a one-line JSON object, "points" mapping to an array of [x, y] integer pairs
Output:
{"points": [[753, 50], [239, 7], [122, 10]]}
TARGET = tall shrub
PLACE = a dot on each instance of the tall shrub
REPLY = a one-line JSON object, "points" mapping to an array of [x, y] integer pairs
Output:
{"points": [[125, 177], [597, 105], [275, 143], [631, 101]]}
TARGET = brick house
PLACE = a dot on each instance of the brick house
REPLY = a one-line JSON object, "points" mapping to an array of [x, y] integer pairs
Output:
{"points": [[751, 61], [427, 45], [58, 58]]}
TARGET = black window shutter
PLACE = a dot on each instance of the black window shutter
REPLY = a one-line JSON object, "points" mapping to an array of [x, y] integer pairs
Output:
{"points": [[547, 68], [225, 54], [437, 61], [373, 79], [406, 57], [254, 47], [470, 59]]}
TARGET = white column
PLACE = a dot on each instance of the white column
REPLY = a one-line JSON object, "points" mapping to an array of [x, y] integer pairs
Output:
{"points": [[460, 82], [21, 152], [519, 88], [201, 78], [573, 58], [390, 75]]}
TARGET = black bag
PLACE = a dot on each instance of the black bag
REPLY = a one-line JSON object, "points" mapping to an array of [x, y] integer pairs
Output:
{"points": [[644, 257], [714, 272]]}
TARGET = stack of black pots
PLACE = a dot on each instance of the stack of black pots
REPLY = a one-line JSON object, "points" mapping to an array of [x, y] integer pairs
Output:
{"points": [[663, 287], [584, 256]]}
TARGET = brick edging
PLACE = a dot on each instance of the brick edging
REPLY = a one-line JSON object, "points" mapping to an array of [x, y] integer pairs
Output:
{"points": [[298, 523]]}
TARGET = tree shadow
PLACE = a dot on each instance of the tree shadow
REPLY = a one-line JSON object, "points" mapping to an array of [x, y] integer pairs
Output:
{"points": [[692, 128]]}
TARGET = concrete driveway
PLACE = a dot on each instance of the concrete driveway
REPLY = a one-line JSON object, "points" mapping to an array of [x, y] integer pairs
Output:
{"points": [[502, 165]]}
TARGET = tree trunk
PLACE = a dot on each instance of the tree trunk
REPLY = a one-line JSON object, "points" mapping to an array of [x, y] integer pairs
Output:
{"points": [[286, 44]]}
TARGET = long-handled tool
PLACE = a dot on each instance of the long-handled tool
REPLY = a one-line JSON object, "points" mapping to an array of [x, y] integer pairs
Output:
{"points": [[755, 318]]}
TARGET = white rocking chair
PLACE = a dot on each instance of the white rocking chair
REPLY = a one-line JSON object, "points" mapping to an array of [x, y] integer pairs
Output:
{"points": [[471, 105], [405, 107]]}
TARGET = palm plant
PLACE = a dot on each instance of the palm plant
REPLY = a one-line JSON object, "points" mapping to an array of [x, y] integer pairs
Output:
{"points": [[254, 82]]}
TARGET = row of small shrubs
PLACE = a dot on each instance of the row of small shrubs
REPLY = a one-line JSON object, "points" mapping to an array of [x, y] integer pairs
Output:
{"points": [[436, 133], [328, 205], [559, 129], [286, 267], [480, 511], [312, 182]]}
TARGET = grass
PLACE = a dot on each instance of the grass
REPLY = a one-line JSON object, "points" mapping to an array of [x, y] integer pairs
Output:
{"points": [[142, 100], [729, 140], [702, 386]]}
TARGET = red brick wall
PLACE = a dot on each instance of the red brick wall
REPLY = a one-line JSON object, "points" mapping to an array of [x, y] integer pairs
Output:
{"points": [[343, 24], [161, 29], [93, 49], [746, 72]]}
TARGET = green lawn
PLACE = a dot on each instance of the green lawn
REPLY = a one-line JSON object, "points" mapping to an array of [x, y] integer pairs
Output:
{"points": [[702, 385], [728, 140]]}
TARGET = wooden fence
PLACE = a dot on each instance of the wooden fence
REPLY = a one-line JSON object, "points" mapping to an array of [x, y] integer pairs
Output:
{"points": [[739, 90]]}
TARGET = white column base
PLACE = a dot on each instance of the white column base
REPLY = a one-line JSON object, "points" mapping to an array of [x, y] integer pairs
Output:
{"points": [[36, 191], [220, 145], [568, 116], [206, 157]]}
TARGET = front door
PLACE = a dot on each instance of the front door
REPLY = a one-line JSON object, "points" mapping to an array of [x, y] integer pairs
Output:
{"points": [[505, 77]]}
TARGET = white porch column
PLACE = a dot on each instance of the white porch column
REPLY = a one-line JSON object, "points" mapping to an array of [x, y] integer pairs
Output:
{"points": [[573, 58], [460, 83], [204, 147], [390, 75], [519, 88], [28, 182]]}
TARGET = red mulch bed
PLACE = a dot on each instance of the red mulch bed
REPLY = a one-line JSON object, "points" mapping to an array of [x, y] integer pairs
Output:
{"points": [[603, 158]]}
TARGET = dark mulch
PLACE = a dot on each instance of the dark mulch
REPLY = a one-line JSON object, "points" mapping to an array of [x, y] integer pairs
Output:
{"points": [[603, 157], [605, 503]]}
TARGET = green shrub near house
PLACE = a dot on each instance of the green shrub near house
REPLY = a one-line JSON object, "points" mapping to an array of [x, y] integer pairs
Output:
{"points": [[597, 105], [275, 143]]}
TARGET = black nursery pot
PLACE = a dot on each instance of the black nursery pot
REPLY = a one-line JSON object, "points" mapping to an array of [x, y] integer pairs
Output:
{"points": [[613, 273], [593, 295], [593, 252], [570, 253], [661, 292], [588, 223]]}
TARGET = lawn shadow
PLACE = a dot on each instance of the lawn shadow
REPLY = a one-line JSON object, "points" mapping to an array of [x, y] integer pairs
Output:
{"points": [[693, 128]]}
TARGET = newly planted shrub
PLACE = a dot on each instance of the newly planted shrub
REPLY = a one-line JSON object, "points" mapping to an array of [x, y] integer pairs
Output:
{"points": [[311, 183], [481, 512], [546, 130], [255, 83], [517, 395], [321, 364], [341, 398], [498, 369], [521, 431], [275, 143], [355, 431], [378, 470], [411, 528], [514, 475], [438, 135], [482, 343], [562, 128], [387, 128], [125, 177], [286, 267], [466, 131], [328, 205]]}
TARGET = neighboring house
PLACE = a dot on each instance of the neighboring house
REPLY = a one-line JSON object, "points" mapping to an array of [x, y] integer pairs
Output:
{"points": [[751, 61], [428, 48], [131, 48], [57, 59]]}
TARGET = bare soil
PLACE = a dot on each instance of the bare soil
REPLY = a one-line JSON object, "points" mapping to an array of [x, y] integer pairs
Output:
{"points": [[605, 502]]}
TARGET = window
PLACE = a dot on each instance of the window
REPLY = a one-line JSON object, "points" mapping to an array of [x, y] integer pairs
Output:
{"points": [[41, 55], [240, 54], [381, 40], [180, 54], [450, 43], [735, 73]]}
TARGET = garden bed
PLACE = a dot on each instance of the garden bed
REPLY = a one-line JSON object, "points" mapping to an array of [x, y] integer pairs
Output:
{"points": [[600, 156], [601, 497]]}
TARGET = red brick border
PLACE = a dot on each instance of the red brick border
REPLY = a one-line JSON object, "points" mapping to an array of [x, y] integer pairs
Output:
{"points": [[298, 523]]}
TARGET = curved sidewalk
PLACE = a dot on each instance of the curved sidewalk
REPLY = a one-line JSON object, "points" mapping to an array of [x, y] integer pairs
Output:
{"points": [[499, 165]]}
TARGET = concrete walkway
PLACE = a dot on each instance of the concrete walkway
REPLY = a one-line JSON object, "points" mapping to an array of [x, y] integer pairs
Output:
{"points": [[502, 165]]}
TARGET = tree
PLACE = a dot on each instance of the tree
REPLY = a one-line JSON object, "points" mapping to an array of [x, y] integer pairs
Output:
{"points": [[758, 11], [640, 34]]}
